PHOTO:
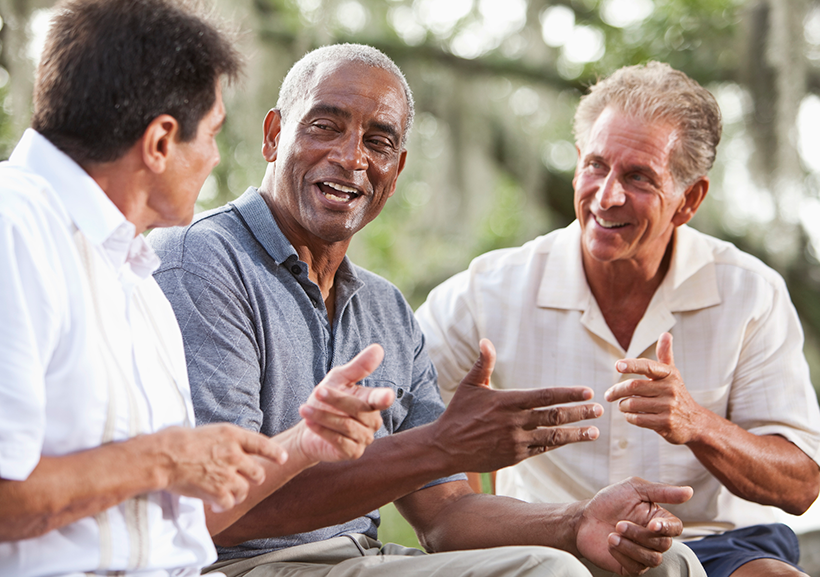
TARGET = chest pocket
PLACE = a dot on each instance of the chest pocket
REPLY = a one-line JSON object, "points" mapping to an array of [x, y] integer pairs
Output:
{"points": [[394, 416]]}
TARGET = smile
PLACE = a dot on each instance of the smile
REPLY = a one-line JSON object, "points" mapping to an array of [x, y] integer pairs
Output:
{"points": [[338, 192], [608, 223]]}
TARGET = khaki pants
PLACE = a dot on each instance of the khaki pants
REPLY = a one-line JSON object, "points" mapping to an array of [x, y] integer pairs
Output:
{"points": [[360, 556]]}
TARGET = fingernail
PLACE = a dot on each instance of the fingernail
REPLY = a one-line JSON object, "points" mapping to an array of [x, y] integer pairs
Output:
{"points": [[620, 366], [608, 395], [598, 410], [217, 509], [614, 539], [308, 410], [322, 393]]}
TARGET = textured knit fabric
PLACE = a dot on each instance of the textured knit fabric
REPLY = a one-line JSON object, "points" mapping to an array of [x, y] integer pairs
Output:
{"points": [[737, 343], [90, 353], [258, 340]]}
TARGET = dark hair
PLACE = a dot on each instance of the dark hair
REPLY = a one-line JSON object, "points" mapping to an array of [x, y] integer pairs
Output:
{"points": [[110, 67]]}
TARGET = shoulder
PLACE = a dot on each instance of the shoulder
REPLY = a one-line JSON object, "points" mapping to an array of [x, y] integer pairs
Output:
{"points": [[28, 203], [381, 293], [209, 239], [736, 264], [511, 259]]}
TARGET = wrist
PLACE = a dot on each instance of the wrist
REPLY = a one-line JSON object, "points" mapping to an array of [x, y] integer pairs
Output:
{"points": [[292, 440]]}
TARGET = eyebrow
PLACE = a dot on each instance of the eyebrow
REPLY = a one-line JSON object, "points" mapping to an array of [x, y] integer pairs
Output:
{"points": [[629, 167], [332, 110]]}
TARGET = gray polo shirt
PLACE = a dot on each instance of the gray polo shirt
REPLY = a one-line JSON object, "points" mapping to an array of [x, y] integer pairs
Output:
{"points": [[257, 336]]}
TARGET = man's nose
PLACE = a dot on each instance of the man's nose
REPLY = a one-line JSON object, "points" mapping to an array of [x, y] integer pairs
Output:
{"points": [[349, 152], [611, 193]]}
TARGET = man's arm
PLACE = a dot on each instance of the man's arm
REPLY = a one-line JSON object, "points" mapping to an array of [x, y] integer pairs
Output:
{"points": [[213, 463], [766, 469], [621, 529], [222, 464], [340, 419], [481, 430]]}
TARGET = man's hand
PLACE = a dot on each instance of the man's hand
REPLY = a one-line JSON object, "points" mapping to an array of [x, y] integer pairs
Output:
{"points": [[660, 402], [485, 430], [623, 530], [341, 417], [215, 462]]}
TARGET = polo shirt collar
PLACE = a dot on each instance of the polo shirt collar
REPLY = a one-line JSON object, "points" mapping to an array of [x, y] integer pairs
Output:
{"points": [[257, 215], [86, 204], [690, 284]]}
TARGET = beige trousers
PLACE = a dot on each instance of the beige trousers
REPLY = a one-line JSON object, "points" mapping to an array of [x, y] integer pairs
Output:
{"points": [[360, 556]]}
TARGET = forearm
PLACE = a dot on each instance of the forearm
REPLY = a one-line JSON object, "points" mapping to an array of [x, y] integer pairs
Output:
{"points": [[766, 469], [474, 521], [62, 490], [333, 493]]}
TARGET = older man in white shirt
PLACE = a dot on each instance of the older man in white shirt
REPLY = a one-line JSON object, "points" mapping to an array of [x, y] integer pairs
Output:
{"points": [[579, 305], [101, 471]]}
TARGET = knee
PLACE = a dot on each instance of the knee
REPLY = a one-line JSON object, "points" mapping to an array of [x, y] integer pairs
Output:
{"points": [[678, 560], [539, 561]]}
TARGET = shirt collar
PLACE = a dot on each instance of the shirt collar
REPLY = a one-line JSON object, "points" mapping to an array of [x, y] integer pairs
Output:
{"points": [[87, 205], [690, 283], [258, 217]]}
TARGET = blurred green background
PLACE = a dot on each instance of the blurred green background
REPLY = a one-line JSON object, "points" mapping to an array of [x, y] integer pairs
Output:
{"points": [[496, 83]]}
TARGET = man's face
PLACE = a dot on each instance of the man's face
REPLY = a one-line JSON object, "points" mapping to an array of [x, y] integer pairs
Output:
{"points": [[190, 165], [626, 200], [338, 154]]}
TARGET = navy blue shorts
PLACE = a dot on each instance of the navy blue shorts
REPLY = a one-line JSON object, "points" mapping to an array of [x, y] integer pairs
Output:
{"points": [[722, 554]]}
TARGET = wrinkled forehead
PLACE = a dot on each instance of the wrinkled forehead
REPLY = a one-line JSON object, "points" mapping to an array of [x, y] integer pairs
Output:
{"points": [[618, 131]]}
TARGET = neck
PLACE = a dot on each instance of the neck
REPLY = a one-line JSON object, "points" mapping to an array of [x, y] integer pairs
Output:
{"points": [[120, 180], [624, 289], [322, 257]]}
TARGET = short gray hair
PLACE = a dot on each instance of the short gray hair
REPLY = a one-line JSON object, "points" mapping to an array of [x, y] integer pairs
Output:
{"points": [[657, 92], [295, 84]]}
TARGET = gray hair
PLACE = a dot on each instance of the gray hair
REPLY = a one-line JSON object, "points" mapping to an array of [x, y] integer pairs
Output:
{"points": [[295, 84], [657, 92]]}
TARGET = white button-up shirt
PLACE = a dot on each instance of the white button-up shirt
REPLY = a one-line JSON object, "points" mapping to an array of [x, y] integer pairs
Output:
{"points": [[737, 343], [90, 353]]}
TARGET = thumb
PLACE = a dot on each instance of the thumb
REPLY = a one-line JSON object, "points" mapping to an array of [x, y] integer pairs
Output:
{"points": [[664, 350], [479, 375], [358, 368]]}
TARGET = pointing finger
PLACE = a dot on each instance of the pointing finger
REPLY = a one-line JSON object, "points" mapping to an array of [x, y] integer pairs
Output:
{"points": [[664, 350]]}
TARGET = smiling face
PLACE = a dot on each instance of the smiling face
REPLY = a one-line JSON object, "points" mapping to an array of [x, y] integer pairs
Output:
{"points": [[337, 155], [626, 199]]}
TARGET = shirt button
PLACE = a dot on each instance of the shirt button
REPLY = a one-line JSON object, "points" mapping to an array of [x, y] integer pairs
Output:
{"points": [[296, 269], [399, 393], [623, 444]]}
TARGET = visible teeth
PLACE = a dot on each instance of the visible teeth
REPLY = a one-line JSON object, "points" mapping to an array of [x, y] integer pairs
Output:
{"points": [[337, 198], [341, 187], [608, 223]]}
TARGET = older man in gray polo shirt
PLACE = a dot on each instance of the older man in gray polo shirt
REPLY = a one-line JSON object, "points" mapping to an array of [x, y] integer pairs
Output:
{"points": [[268, 303]]}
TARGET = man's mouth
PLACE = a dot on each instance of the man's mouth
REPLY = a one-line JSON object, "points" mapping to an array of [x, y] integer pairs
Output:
{"points": [[608, 223], [338, 192]]}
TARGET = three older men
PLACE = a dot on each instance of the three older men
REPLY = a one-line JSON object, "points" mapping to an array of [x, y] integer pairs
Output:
{"points": [[731, 413], [268, 303], [101, 470]]}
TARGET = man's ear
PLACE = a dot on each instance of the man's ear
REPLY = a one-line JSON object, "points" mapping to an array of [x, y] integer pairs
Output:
{"points": [[402, 160], [693, 196], [158, 141], [271, 129]]}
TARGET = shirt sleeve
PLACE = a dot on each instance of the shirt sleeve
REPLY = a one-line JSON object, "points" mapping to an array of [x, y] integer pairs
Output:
{"points": [[29, 329], [772, 392], [220, 341], [450, 325]]}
